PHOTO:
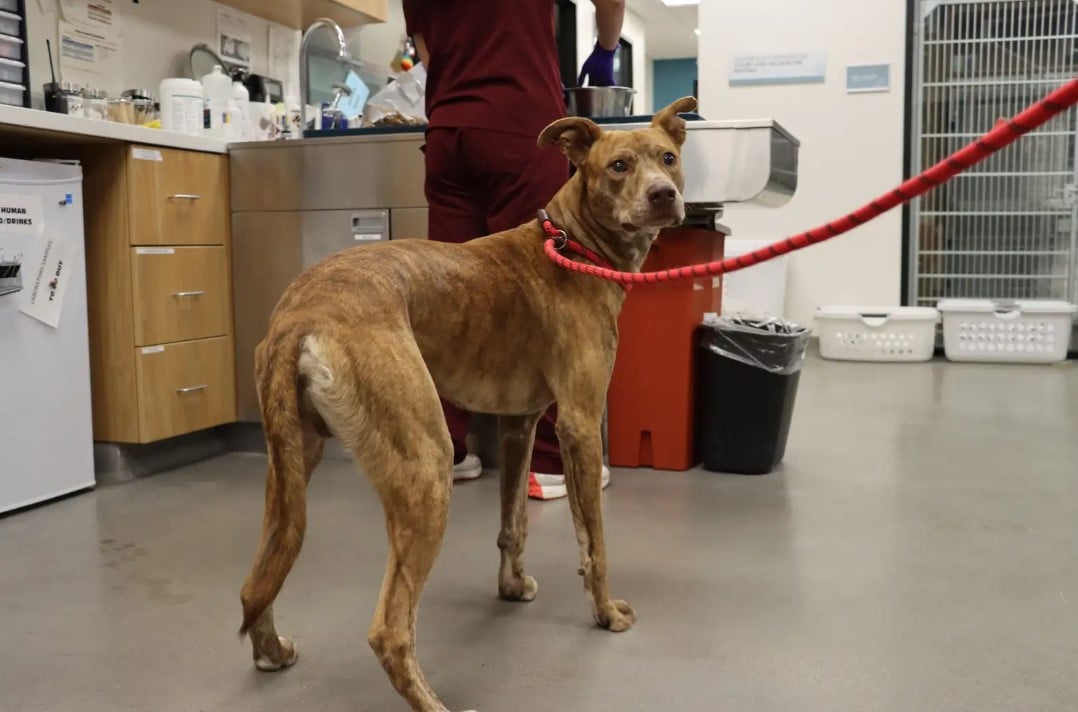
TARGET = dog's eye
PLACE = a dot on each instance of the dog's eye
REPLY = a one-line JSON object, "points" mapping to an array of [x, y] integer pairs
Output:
{"points": [[619, 166], [669, 159]]}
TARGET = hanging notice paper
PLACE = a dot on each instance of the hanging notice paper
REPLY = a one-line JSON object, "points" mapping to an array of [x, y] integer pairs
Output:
{"points": [[85, 51], [233, 37], [92, 14], [48, 273], [21, 214]]}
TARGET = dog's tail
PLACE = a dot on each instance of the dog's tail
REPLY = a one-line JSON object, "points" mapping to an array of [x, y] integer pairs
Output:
{"points": [[285, 519]]}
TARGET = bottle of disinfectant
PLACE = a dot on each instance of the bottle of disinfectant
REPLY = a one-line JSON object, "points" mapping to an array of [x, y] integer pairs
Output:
{"points": [[217, 90]]}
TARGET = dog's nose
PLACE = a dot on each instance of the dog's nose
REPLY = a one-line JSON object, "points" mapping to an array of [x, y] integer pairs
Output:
{"points": [[662, 196]]}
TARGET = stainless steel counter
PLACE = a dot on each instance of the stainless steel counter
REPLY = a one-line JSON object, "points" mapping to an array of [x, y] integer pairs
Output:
{"points": [[744, 161]]}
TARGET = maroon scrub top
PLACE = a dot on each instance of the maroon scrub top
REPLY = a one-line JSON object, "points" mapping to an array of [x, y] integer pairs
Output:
{"points": [[493, 63]]}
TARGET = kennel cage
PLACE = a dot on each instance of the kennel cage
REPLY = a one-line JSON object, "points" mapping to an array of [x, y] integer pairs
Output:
{"points": [[1008, 228]]}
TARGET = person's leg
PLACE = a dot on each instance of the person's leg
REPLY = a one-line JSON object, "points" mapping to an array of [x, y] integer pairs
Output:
{"points": [[456, 213], [522, 178]]}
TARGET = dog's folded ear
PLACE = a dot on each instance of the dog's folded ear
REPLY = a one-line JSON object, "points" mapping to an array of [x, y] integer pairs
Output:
{"points": [[669, 121], [574, 135]]}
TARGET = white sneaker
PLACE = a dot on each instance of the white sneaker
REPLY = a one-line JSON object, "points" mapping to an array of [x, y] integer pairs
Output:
{"points": [[470, 468], [542, 486]]}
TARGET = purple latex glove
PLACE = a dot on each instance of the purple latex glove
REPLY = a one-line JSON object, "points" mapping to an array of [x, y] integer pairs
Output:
{"points": [[598, 68]]}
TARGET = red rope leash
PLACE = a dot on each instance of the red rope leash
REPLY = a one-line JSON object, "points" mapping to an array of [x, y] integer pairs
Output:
{"points": [[1004, 134]]}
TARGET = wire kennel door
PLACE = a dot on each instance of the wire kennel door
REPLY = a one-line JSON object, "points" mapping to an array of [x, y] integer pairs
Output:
{"points": [[1008, 228]]}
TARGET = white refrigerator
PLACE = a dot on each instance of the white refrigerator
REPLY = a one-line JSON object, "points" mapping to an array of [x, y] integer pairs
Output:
{"points": [[46, 430]]}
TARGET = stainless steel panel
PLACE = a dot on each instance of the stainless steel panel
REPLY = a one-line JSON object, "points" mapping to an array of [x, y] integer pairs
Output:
{"points": [[753, 161], [348, 173], [408, 223], [269, 250]]}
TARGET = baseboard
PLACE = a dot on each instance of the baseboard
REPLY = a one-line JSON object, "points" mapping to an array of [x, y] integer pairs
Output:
{"points": [[116, 463]]}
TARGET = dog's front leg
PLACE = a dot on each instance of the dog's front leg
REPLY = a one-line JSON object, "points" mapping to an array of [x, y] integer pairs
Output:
{"points": [[517, 438], [580, 438]]}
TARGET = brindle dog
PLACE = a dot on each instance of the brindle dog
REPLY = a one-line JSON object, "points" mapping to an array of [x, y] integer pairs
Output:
{"points": [[361, 346]]}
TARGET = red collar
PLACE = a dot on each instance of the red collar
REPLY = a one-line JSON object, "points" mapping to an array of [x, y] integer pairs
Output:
{"points": [[562, 242]]}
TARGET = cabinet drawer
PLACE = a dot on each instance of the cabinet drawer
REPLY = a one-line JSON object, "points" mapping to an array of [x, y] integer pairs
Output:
{"points": [[180, 293], [177, 197], [185, 387]]}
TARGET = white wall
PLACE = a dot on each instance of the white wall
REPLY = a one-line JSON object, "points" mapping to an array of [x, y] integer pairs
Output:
{"points": [[851, 144], [633, 30], [158, 34]]}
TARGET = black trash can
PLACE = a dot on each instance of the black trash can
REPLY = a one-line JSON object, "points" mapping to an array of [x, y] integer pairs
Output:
{"points": [[747, 376]]}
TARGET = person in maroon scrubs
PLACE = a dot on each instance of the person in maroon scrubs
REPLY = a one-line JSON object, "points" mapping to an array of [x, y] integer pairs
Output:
{"points": [[493, 84]]}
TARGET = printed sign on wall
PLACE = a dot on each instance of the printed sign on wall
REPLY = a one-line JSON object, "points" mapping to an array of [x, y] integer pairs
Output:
{"points": [[22, 214], [861, 78], [782, 67]]}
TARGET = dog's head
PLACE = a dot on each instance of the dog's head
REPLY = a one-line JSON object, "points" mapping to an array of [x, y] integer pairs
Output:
{"points": [[633, 178]]}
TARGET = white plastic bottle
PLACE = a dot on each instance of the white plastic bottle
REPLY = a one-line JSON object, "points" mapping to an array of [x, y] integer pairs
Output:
{"points": [[217, 88], [241, 99], [182, 106]]}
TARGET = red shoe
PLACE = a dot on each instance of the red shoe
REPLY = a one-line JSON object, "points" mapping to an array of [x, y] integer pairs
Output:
{"points": [[546, 487]]}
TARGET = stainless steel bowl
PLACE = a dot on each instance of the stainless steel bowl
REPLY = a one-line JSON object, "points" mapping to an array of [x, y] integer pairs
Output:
{"points": [[599, 102]]}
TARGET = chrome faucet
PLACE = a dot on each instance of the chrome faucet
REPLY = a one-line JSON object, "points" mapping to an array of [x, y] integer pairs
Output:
{"points": [[304, 65]]}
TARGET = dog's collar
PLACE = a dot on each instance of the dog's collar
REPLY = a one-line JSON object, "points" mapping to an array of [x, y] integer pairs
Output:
{"points": [[563, 243]]}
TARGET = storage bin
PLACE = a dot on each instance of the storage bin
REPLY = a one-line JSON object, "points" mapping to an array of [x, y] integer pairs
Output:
{"points": [[12, 94], [852, 333], [11, 71], [9, 23], [758, 292], [1022, 331], [10, 47]]}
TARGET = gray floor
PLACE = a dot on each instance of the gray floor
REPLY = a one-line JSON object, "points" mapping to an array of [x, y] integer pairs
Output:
{"points": [[916, 552]]}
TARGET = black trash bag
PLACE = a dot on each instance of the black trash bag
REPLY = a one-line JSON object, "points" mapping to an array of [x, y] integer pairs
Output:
{"points": [[747, 376]]}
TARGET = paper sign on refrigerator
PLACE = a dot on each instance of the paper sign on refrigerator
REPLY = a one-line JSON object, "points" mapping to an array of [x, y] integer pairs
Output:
{"points": [[48, 273], [21, 214]]}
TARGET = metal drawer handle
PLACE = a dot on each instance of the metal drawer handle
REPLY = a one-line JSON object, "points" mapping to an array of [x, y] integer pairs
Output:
{"points": [[199, 293], [185, 196], [192, 389]]}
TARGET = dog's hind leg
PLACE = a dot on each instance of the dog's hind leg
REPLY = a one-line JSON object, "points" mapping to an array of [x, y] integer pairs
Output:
{"points": [[293, 449], [579, 434], [387, 412], [272, 652], [517, 438]]}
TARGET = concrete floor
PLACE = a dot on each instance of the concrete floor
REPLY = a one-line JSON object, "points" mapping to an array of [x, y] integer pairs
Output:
{"points": [[916, 552]]}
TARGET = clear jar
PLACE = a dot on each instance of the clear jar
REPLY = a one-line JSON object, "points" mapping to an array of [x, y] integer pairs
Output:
{"points": [[96, 105]]}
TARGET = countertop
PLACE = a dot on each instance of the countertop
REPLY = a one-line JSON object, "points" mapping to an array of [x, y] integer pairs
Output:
{"points": [[34, 120]]}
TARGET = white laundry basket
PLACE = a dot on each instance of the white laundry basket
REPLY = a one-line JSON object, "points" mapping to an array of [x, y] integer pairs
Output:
{"points": [[850, 333], [1023, 331]]}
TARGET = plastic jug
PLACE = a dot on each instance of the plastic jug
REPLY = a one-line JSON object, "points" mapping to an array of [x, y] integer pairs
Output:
{"points": [[217, 88]]}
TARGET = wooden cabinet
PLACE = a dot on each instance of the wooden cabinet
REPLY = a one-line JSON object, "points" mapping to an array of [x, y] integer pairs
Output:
{"points": [[159, 278], [299, 14], [185, 386], [177, 197], [180, 293]]}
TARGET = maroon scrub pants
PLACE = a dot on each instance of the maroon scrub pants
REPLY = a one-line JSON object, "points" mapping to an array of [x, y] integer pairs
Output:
{"points": [[480, 182]]}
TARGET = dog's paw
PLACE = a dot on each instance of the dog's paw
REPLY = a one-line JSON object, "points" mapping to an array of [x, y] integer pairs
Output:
{"points": [[616, 616], [287, 657], [522, 589]]}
